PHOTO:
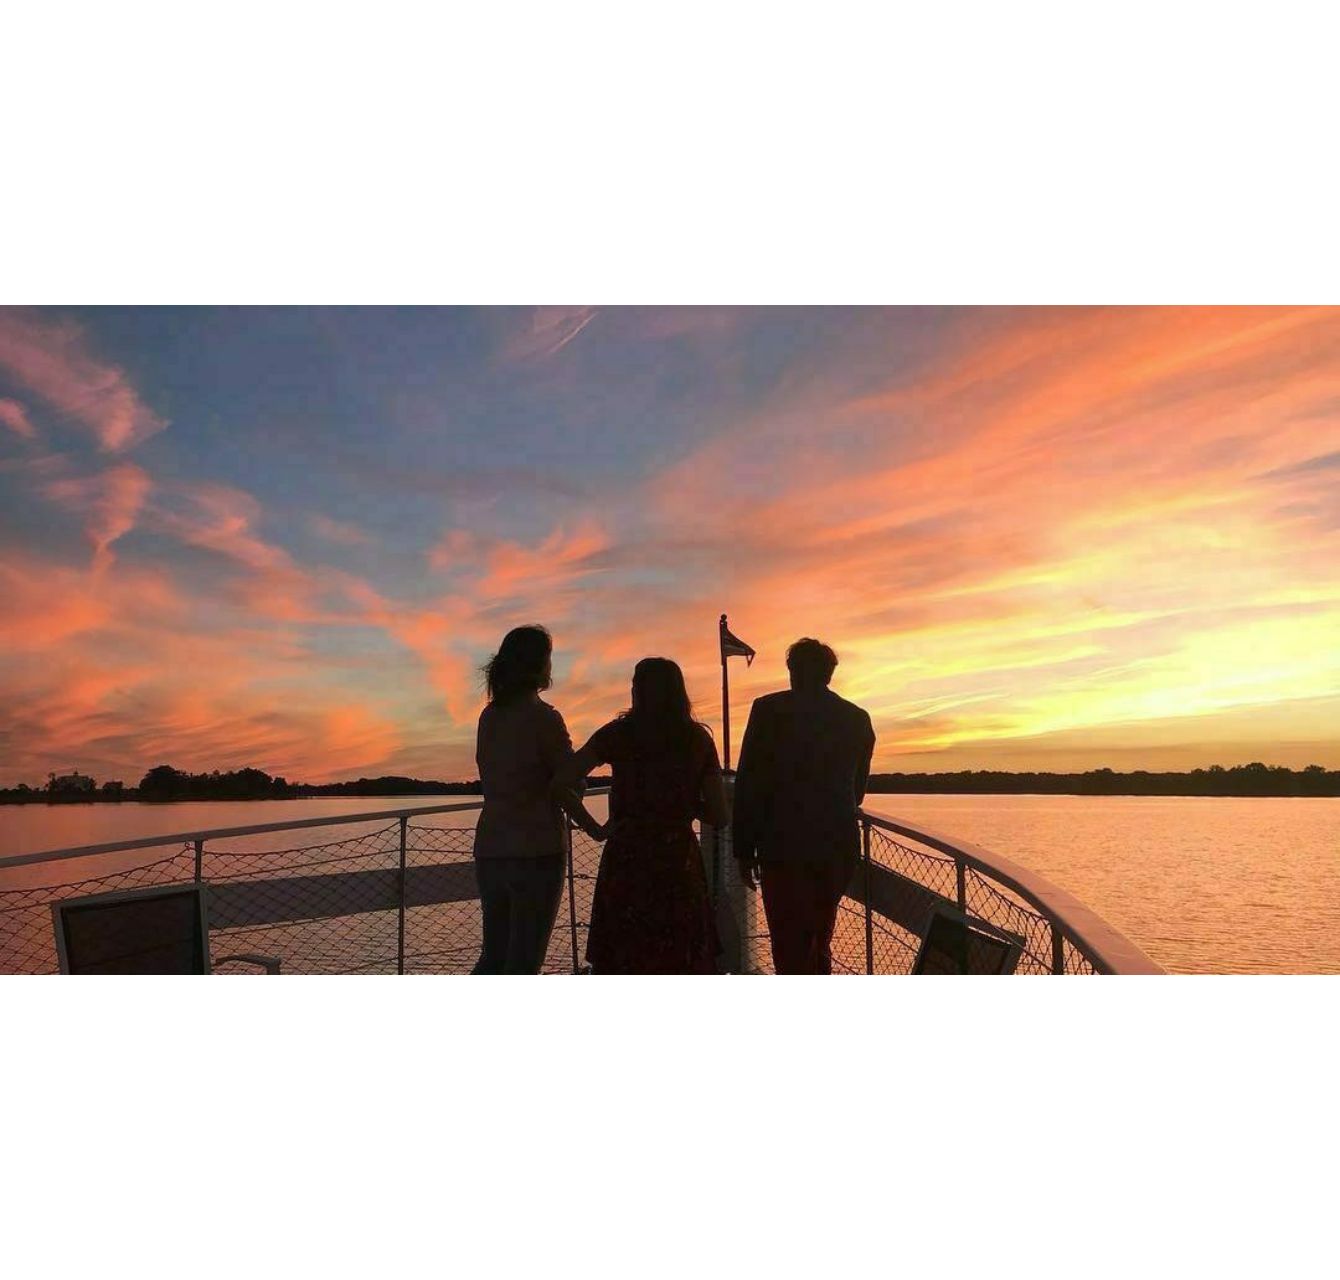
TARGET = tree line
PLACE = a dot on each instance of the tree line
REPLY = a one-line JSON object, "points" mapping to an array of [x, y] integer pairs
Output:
{"points": [[1255, 779], [164, 783]]}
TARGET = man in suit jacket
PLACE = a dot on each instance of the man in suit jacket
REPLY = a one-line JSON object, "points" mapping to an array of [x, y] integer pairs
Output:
{"points": [[804, 764]]}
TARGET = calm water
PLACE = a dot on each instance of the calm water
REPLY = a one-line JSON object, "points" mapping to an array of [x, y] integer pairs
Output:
{"points": [[1204, 885]]}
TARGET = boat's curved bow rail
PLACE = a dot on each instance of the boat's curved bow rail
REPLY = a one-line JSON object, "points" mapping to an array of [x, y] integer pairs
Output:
{"points": [[394, 891], [1056, 932]]}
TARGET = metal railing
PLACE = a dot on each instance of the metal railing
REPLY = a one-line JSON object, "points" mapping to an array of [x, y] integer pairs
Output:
{"points": [[1056, 932], [400, 896]]}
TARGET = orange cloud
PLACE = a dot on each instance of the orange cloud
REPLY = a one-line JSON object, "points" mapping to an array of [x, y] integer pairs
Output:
{"points": [[1075, 491], [119, 669], [513, 570], [43, 605], [432, 634]]}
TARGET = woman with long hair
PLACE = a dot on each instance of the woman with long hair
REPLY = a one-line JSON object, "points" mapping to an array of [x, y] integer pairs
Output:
{"points": [[521, 837], [651, 912]]}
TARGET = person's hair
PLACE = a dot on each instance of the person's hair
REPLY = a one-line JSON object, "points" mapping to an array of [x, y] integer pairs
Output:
{"points": [[661, 713], [811, 663], [521, 664]]}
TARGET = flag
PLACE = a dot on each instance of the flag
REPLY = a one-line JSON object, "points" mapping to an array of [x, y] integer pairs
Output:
{"points": [[731, 647]]}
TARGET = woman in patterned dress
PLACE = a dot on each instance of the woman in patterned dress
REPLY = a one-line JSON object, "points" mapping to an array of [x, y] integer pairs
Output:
{"points": [[651, 912]]}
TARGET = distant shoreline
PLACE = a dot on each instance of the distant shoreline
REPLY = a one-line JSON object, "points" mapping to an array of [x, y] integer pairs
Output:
{"points": [[1323, 787], [1251, 780], [1244, 780]]}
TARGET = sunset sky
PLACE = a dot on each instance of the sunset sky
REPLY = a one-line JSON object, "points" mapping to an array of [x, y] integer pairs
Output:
{"points": [[1037, 538]]}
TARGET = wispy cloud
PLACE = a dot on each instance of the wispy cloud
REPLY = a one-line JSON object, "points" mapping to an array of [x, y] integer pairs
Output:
{"points": [[545, 331], [123, 669], [15, 417], [110, 502], [341, 532], [52, 360], [1322, 462], [503, 568]]}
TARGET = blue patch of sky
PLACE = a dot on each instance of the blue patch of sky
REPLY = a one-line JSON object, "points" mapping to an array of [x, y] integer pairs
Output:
{"points": [[410, 421]]}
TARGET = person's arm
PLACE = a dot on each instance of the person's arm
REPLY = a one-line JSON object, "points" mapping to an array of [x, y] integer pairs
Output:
{"points": [[568, 783], [863, 764], [751, 781], [714, 809]]}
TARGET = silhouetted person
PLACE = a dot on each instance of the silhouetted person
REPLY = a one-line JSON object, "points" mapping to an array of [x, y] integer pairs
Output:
{"points": [[521, 837], [804, 764], [651, 912]]}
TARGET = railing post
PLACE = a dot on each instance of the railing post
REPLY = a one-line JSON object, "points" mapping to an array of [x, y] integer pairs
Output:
{"points": [[400, 944], [869, 918], [961, 882], [1058, 950], [709, 845], [199, 861], [572, 901]]}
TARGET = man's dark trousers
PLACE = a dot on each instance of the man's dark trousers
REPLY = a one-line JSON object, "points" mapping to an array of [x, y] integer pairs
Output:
{"points": [[801, 901]]}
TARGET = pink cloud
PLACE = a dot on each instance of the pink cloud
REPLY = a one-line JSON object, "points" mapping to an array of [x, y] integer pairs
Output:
{"points": [[110, 501], [505, 569], [51, 359], [15, 417], [225, 521], [338, 531], [435, 635]]}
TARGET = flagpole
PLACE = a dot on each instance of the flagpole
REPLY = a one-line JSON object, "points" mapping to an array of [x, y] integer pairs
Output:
{"points": [[725, 695]]}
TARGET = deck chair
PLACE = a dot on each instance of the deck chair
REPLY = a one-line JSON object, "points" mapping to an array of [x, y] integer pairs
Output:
{"points": [[164, 929], [953, 943]]}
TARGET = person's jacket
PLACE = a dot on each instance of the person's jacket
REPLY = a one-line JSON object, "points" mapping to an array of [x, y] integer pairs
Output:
{"points": [[804, 765]]}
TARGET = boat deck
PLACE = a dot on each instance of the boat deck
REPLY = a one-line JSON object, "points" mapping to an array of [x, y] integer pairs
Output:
{"points": [[394, 892]]}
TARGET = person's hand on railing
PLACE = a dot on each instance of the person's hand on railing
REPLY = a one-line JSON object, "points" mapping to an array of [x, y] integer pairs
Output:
{"points": [[598, 831]]}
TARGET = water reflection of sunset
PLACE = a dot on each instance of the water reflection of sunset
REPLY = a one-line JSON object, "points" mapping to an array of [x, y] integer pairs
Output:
{"points": [[1037, 538]]}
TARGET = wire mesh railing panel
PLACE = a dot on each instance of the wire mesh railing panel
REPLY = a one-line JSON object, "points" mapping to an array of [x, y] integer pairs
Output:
{"points": [[923, 880], [328, 908], [1074, 961], [992, 903], [895, 948], [27, 932], [895, 943], [848, 947], [443, 935], [932, 870], [575, 912], [892, 949]]}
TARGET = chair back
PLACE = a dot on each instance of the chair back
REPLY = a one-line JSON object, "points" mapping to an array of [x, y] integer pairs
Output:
{"points": [[158, 930], [954, 944]]}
